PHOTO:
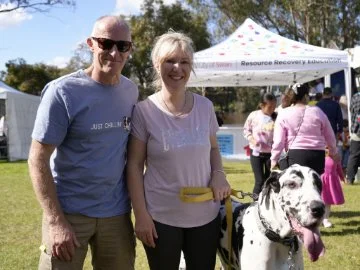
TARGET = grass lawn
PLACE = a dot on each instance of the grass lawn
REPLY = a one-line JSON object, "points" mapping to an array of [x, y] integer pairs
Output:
{"points": [[20, 219]]}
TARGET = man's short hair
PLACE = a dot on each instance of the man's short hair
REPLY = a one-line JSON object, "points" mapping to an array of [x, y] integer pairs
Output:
{"points": [[327, 91]]}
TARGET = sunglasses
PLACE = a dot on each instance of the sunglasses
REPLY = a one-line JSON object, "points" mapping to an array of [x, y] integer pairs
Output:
{"points": [[108, 44]]}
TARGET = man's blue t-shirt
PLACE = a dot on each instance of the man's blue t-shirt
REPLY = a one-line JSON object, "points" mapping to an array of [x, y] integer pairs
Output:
{"points": [[89, 123], [333, 112]]}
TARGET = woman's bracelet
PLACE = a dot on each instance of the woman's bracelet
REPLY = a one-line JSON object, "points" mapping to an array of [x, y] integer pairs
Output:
{"points": [[220, 171]]}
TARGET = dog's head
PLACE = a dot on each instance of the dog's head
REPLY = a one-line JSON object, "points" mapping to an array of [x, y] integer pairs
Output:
{"points": [[298, 193]]}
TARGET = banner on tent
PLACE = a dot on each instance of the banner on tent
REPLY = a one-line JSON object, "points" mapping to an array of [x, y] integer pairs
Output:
{"points": [[265, 64]]}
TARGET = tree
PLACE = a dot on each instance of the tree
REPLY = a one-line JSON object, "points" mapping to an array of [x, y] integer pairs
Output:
{"points": [[30, 79], [156, 20], [38, 6], [81, 59], [318, 22]]}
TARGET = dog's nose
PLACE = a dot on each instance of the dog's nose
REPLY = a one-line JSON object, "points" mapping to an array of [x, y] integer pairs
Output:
{"points": [[317, 208]]}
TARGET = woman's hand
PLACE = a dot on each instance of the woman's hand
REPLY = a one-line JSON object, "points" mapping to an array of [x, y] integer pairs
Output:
{"points": [[273, 165], [145, 229], [219, 185]]}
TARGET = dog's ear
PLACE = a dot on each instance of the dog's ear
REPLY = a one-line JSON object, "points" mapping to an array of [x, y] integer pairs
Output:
{"points": [[272, 183]]}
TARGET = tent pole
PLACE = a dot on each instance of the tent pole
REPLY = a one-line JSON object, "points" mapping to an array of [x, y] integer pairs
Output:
{"points": [[347, 72], [327, 81]]}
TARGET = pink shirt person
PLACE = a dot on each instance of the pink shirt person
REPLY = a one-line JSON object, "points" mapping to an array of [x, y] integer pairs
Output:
{"points": [[315, 131], [332, 191], [261, 127], [172, 145]]}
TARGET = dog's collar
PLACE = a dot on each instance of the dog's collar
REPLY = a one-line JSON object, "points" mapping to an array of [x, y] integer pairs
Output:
{"points": [[266, 229]]}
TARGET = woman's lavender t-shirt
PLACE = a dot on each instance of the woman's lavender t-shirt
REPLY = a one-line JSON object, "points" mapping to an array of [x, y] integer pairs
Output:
{"points": [[178, 155]]}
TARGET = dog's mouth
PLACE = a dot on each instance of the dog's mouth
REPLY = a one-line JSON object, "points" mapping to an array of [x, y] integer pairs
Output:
{"points": [[310, 236]]}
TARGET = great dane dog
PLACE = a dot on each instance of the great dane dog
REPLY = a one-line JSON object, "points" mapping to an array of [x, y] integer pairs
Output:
{"points": [[269, 234]]}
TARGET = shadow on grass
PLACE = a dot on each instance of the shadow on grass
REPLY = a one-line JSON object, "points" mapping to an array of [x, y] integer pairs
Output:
{"points": [[235, 171], [345, 214], [342, 232], [351, 223]]}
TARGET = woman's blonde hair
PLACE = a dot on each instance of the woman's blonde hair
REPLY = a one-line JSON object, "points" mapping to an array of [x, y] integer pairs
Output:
{"points": [[165, 46]]}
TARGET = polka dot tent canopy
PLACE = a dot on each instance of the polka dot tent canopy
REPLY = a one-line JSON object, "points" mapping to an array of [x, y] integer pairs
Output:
{"points": [[254, 56]]}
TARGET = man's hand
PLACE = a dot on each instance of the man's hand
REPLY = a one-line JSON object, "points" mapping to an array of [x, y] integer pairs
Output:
{"points": [[63, 240]]}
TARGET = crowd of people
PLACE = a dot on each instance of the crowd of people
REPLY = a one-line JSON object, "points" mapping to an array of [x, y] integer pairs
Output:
{"points": [[314, 135], [97, 153]]}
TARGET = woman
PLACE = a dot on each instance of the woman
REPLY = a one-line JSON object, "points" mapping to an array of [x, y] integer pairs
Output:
{"points": [[304, 131], [174, 131], [258, 130]]}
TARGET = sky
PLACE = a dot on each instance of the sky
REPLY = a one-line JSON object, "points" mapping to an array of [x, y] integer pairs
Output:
{"points": [[52, 37]]}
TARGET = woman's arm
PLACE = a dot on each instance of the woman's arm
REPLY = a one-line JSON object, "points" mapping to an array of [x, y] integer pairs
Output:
{"points": [[248, 129], [144, 225], [278, 142]]}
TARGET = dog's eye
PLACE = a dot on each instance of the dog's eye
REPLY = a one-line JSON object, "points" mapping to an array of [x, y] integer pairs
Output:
{"points": [[291, 185]]}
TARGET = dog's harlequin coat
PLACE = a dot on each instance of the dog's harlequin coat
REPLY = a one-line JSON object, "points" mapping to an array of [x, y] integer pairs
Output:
{"points": [[287, 215]]}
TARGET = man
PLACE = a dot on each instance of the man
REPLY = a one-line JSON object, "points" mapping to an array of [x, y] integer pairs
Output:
{"points": [[77, 158], [354, 157], [332, 110]]}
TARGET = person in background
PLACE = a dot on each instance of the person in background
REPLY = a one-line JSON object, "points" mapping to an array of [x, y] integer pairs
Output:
{"points": [[77, 158], [344, 107], [344, 145], [318, 87], [331, 192], [285, 100], [315, 99], [332, 110], [3, 137], [354, 157], [304, 131], [174, 132], [258, 130], [219, 118]]}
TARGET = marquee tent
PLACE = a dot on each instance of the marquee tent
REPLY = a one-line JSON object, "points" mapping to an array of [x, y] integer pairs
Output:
{"points": [[20, 113], [254, 56]]}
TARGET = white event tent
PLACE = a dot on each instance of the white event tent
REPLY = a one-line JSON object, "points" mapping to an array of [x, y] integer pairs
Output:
{"points": [[20, 113], [255, 56]]}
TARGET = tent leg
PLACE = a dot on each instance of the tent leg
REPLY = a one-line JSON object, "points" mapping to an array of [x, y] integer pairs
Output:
{"points": [[347, 72]]}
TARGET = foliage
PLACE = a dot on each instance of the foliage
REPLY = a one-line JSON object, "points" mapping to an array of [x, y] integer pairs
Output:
{"points": [[81, 59], [222, 97], [38, 6], [20, 222], [156, 20], [320, 23], [28, 78]]}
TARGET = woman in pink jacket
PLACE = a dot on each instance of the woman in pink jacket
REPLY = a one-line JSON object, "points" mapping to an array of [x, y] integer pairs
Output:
{"points": [[304, 132]]}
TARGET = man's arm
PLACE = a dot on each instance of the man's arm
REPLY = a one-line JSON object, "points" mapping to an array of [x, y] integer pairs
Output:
{"points": [[62, 237], [42, 180]]}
